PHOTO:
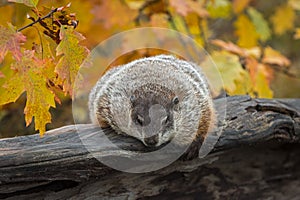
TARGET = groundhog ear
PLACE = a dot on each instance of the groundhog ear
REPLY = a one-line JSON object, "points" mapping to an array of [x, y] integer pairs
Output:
{"points": [[175, 100]]}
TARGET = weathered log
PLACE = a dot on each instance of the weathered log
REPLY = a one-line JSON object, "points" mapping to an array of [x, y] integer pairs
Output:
{"points": [[257, 156]]}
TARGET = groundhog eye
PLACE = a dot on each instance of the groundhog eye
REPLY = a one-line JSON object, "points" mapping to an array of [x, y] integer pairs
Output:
{"points": [[175, 100], [132, 98], [165, 120], [140, 120]]}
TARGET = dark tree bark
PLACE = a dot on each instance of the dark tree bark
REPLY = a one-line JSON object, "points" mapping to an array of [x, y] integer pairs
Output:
{"points": [[256, 157]]}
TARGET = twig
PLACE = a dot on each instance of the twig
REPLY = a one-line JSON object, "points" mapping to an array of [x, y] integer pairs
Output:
{"points": [[38, 20]]}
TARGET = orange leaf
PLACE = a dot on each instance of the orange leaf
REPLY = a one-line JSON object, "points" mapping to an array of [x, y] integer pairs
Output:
{"points": [[181, 7], [239, 5], [198, 8], [260, 77], [188, 6], [159, 20], [230, 47], [272, 56], [109, 13], [11, 41]]}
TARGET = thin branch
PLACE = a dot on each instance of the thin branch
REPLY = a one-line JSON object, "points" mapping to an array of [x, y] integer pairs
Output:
{"points": [[39, 19]]}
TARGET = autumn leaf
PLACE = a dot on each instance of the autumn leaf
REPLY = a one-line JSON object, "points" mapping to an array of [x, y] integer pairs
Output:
{"points": [[246, 32], [244, 85], [11, 89], [30, 3], [109, 13], [159, 20], [272, 56], [295, 4], [232, 48], [219, 8], [261, 25], [180, 6], [198, 8], [260, 78], [185, 7], [11, 41], [179, 23], [73, 55], [29, 77], [283, 19], [192, 22], [136, 40], [297, 34], [261, 81], [239, 5], [229, 68]]}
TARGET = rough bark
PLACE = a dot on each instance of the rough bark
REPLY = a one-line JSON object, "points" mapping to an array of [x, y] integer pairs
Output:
{"points": [[256, 157]]}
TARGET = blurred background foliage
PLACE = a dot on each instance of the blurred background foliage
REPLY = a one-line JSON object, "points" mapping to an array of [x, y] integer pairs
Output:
{"points": [[255, 44]]}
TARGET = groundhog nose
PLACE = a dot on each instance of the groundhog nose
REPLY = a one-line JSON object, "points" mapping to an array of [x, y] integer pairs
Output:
{"points": [[151, 141]]}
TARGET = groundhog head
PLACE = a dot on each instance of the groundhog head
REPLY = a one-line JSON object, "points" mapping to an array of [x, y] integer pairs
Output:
{"points": [[152, 112]]}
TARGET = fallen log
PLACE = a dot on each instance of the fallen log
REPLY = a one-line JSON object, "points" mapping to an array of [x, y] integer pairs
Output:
{"points": [[257, 156]]}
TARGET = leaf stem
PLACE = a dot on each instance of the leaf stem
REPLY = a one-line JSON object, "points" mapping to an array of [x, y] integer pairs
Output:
{"points": [[38, 20]]}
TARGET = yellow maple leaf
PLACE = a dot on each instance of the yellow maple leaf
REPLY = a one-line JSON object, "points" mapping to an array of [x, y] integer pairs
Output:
{"points": [[262, 83], [192, 22], [246, 32], [73, 55], [29, 77], [283, 19]]}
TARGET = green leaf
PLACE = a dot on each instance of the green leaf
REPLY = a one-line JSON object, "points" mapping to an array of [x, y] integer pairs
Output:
{"points": [[30, 3], [244, 86], [73, 55], [261, 25]]}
